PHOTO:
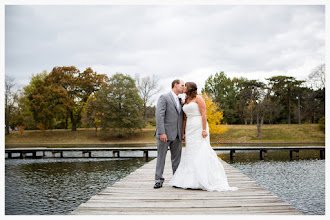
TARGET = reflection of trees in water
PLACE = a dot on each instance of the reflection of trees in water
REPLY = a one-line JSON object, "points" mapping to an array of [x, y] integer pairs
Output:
{"points": [[51, 186]]}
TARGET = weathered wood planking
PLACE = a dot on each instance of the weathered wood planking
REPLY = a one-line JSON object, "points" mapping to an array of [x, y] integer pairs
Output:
{"points": [[135, 195]]}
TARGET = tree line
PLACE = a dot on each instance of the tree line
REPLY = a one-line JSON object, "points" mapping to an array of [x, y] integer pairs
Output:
{"points": [[282, 100], [68, 98]]}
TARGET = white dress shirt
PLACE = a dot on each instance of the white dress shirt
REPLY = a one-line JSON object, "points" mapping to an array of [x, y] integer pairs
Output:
{"points": [[176, 98]]}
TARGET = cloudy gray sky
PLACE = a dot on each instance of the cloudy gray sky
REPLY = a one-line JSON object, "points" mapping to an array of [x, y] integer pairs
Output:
{"points": [[186, 42]]}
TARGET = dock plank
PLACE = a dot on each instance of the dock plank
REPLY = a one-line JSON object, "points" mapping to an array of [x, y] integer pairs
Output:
{"points": [[134, 195]]}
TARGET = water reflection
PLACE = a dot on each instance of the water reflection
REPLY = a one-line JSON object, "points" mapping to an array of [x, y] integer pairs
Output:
{"points": [[58, 186], [298, 182]]}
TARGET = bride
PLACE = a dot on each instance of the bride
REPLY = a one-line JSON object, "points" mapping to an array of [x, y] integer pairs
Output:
{"points": [[200, 167]]}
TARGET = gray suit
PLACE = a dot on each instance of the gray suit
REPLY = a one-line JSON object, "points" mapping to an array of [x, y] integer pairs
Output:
{"points": [[169, 121]]}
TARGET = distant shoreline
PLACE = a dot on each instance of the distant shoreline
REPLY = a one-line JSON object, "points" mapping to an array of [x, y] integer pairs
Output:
{"points": [[294, 134]]}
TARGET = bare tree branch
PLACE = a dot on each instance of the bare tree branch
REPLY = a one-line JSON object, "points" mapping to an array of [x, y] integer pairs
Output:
{"points": [[148, 87], [316, 78]]}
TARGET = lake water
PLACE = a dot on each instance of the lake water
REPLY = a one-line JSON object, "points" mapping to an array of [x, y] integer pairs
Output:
{"points": [[57, 186], [301, 182]]}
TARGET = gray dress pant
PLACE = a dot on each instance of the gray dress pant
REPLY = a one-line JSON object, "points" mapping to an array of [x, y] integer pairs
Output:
{"points": [[162, 147]]}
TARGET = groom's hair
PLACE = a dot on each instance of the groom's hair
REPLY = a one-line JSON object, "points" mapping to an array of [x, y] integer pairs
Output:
{"points": [[177, 81]]}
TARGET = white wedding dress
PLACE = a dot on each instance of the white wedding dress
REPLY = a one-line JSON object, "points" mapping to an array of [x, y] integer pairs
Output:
{"points": [[199, 167]]}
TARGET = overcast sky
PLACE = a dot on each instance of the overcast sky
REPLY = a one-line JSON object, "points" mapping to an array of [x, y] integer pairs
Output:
{"points": [[186, 42]]}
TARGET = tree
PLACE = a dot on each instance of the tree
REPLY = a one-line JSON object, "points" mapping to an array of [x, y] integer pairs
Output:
{"points": [[148, 87], [21, 115], [79, 87], [274, 111], [320, 103], [91, 115], [242, 107], [223, 91], [248, 95], [24, 115], [316, 78], [121, 104], [285, 88], [214, 116], [11, 98], [67, 78], [312, 104], [263, 104], [47, 101]]}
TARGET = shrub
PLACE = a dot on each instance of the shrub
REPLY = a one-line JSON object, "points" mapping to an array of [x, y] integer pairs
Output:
{"points": [[322, 124]]}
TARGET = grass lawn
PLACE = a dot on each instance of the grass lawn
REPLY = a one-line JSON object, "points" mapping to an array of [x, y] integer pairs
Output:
{"points": [[271, 133], [81, 136], [235, 134]]}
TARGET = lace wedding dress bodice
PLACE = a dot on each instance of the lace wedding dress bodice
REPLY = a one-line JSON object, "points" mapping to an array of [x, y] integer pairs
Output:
{"points": [[200, 167], [194, 127], [190, 109]]}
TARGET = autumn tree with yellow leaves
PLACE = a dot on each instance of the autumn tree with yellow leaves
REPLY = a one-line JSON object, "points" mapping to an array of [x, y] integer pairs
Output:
{"points": [[214, 116]]}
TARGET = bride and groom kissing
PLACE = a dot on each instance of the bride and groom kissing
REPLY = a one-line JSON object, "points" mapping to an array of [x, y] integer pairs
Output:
{"points": [[199, 167]]}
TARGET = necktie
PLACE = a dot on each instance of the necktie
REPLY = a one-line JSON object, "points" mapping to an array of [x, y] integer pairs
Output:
{"points": [[178, 104]]}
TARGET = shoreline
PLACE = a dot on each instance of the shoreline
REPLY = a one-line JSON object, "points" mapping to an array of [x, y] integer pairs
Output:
{"points": [[303, 134]]}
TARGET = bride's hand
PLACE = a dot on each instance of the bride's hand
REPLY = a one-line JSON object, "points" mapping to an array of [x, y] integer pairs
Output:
{"points": [[183, 137], [204, 134]]}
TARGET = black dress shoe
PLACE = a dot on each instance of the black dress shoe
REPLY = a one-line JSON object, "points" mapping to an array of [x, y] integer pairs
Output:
{"points": [[158, 185]]}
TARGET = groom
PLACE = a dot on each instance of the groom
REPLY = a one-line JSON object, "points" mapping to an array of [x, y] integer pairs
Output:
{"points": [[169, 119]]}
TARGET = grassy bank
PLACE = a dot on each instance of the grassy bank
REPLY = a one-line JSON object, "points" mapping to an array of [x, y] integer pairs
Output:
{"points": [[282, 133], [235, 134]]}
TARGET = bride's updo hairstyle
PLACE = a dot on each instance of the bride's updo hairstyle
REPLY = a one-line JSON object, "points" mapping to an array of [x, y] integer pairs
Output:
{"points": [[191, 90]]}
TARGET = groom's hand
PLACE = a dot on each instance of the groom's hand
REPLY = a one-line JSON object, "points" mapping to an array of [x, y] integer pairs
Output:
{"points": [[163, 137]]}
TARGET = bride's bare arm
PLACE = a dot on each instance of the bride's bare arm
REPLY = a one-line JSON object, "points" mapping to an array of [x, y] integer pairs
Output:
{"points": [[202, 108]]}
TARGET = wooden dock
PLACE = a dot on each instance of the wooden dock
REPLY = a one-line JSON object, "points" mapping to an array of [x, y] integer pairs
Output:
{"points": [[87, 150], [135, 195]]}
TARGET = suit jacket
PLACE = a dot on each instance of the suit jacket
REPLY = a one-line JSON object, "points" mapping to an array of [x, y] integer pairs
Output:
{"points": [[168, 119]]}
